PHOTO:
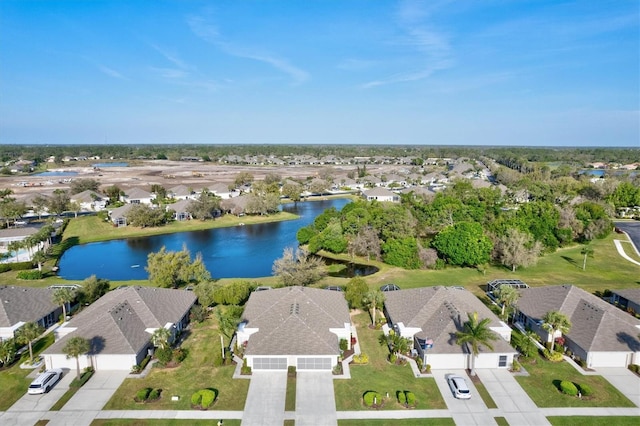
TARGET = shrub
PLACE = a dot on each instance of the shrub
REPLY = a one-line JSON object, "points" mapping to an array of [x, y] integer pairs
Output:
{"points": [[552, 356], [245, 369], [29, 275], [198, 313], [154, 394], [586, 390], [136, 369], [21, 266], [179, 354], [344, 344], [372, 397], [208, 397], [515, 366], [419, 363], [393, 358], [143, 394], [634, 367], [361, 358], [4, 267], [411, 398], [291, 371], [568, 388], [196, 398], [402, 398], [163, 355], [144, 362], [428, 368]]}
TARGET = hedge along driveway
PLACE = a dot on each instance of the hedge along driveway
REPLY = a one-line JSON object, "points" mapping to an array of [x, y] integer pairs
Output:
{"points": [[380, 376], [195, 373]]}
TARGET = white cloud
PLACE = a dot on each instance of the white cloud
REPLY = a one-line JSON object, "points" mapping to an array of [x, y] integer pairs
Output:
{"points": [[111, 72]]}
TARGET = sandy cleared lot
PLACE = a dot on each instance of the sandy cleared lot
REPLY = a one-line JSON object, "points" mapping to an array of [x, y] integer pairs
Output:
{"points": [[168, 174]]}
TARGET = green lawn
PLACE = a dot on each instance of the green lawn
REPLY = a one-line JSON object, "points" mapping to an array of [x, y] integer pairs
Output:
{"points": [[382, 377], [290, 397], [544, 379], [14, 381], [594, 420], [398, 422], [196, 372]]}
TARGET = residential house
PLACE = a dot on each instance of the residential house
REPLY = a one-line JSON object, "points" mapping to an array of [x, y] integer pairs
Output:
{"points": [[235, 205], [138, 196], [180, 209], [9, 235], [90, 200], [294, 326], [627, 299], [118, 215], [181, 192], [600, 334], [430, 318], [222, 190], [119, 326], [381, 194], [20, 305]]}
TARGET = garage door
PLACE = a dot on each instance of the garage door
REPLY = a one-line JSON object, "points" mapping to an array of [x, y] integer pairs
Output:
{"points": [[314, 364], [269, 363]]}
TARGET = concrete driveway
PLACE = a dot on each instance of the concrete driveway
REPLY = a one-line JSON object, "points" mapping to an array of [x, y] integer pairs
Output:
{"points": [[510, 398], [464, 411], [43, 402], [623, 380], [315, 400], [265, 399], [94, 394]]}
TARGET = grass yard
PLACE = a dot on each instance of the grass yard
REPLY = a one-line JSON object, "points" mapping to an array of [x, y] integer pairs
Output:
{"points": [[196, 372], [13, 380], [382, 377], [397, 422], [544, 379], [290, 396], [593, 420]]}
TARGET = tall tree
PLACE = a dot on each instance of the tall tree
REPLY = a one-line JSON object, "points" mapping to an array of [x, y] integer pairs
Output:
{"points": [[356, 291], [476, 334], [553, 322], [517, 248], [79, 185], [228, 318], [63, 296], [27, 334], [75, 347], [293, 191], [507, 296], [374, 301], [298, 268], [587, 251], [463, 244], [58, 202], [8, 351], [175, 268], [92, 289]]}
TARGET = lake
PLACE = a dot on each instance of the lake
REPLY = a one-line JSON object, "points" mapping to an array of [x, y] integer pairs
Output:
{"points": [[237, 252]]}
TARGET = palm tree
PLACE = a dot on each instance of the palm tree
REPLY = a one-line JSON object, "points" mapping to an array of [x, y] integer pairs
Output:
{"points": [[587, 251], [374, 300], [27, 334], [476, 333], [75, 347], [63, 296], [507, 296], [395, 342], [7, 352], [160, 338], [39, 258], [15, 246], [554, 321]]}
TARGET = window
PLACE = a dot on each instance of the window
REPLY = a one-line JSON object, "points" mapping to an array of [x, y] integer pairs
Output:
{"points": [[502, 362]]}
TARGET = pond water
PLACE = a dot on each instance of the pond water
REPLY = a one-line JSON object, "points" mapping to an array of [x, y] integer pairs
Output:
{"points": [[103, 165], [56, 173], [238, 252]]}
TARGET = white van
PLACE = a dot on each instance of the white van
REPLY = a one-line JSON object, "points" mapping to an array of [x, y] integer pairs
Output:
{"points": [[44, 382]]}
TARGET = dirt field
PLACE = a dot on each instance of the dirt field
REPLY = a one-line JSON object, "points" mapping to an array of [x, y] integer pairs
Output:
{"points": [[167, 173]]}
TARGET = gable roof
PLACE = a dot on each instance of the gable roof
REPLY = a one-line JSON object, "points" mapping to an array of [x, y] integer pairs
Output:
{"points": [[595, 324], [379, 192], [87, 196], [24, 304], [137, 194], [631, 294], [440, 312], [116, 323], [295, 321]]}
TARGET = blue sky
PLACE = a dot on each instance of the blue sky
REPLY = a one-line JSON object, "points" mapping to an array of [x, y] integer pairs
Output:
{"points": [[472, 72]]}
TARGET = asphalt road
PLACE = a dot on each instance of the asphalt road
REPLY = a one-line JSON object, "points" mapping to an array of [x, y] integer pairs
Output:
{"points": [[632, 229]]}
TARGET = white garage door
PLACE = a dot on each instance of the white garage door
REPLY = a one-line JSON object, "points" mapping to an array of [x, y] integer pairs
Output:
{"points": [[314, 364], [269, 363]]}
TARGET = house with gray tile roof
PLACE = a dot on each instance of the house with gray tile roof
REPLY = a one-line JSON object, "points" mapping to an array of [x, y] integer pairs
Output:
{"points": [[381, 194], [118, 215], [90, 200], [20, 305], [294, 326], [180, 209], [138, 196], [430, 317], [119, 326], [627, 299], [601, 334]]}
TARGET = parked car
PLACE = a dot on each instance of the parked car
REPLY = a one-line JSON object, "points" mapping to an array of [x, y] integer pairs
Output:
{"points": [[458, 386], [45, 381]]}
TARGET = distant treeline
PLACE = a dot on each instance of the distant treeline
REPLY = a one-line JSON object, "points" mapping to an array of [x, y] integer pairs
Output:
{"points": [[522, 155]]}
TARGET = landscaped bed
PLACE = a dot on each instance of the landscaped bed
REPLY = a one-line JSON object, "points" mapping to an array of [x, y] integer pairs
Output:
{"points": [[380, 376], [196, 372], [543, 385]]}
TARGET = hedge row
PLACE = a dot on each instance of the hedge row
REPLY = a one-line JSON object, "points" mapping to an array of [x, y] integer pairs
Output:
{"points": [[17, 266], [29, 275], [372, 398]]}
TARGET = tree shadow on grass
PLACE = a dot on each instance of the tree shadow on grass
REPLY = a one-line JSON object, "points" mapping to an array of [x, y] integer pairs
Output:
{"points": [[571, 261]]}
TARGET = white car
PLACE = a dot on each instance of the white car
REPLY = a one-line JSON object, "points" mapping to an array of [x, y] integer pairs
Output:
{"points": [[458, 386], [44, 382]]}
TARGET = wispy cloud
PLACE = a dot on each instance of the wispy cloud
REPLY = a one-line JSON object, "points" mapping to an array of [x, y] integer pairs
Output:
{"points": [[182, 73], [432, 46], [208, 32], [172, 57], [111, 72]]}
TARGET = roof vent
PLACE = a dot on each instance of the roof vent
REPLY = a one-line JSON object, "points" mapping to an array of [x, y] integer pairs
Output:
{"points": [[294, 308]]}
